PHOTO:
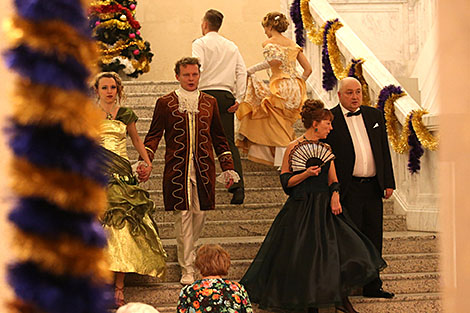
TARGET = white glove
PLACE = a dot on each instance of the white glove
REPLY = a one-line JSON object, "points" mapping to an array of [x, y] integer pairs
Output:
{"points": [[257, 67]]}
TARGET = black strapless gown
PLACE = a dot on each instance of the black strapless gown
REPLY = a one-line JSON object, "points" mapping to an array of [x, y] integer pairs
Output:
{"points": [[310, 257]]}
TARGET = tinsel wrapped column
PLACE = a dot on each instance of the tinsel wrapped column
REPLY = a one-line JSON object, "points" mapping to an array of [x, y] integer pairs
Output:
{"points": [[56, 170]]}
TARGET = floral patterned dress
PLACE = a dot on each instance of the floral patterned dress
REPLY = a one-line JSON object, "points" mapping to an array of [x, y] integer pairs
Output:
{"points": [[215, 295]]}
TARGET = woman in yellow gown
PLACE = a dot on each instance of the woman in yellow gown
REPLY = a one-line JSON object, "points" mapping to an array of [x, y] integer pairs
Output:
{"points": [[133, 241], [268, 112]]}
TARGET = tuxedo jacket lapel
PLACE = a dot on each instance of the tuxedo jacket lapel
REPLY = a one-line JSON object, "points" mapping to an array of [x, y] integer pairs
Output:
{"points": [[342, 130]]}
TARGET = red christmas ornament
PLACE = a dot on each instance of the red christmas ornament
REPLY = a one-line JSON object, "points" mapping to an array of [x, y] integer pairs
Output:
{"points": [[136, 52], [132, 6], [97, 23], [138, 32], [132, 35]]}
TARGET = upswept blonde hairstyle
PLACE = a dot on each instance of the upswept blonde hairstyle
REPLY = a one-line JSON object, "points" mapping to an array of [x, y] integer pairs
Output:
{"points": [[276, 20]]}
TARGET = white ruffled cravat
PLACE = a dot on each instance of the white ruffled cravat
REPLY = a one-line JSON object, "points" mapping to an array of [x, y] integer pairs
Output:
{"points": [[188, 100]]}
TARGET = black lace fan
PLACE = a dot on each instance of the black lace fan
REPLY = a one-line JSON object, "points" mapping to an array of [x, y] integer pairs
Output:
{"points": [[309, 153]]}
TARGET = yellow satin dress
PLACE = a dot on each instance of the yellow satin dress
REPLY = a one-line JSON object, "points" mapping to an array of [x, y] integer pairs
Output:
{"points": [[133, 241], [268, 112]]}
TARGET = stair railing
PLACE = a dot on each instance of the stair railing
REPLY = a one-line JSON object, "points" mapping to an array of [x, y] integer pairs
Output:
{"points": [[416, 194]]}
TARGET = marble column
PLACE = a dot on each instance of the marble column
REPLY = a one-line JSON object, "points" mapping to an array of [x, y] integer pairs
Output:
{"points": [[454, 165]]}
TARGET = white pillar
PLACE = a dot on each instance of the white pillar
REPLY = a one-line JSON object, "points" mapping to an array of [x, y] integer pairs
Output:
{"points": [[454, 169]]}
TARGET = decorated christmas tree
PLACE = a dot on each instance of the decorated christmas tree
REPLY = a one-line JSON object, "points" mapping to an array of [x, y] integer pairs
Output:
{"points": [[121, 46]]}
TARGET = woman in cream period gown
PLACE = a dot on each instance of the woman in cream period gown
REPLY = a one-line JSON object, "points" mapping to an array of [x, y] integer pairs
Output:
{"points": [[268, 112], [133, 241]]}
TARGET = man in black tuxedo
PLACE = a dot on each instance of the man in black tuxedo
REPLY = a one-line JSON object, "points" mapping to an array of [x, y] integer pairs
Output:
{"points": [[363, 166]]}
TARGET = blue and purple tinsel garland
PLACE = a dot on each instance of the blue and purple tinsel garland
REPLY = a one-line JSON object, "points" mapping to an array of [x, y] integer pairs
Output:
{"points": [[352, 69], [329, 80], [58, 294], [416, 149], [77, 154], [38, 216], [385, 93], [50, 147], [296, 15]]}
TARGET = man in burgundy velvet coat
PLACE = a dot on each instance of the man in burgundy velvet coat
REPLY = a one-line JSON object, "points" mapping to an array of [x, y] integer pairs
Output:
{"points": [[190, 122]]}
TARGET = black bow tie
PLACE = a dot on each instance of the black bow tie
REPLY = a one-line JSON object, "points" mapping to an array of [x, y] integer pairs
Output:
{"points": [[358, 112]]}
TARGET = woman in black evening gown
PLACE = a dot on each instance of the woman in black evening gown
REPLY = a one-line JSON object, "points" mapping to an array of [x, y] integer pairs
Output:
{"points": [[313, 255]]}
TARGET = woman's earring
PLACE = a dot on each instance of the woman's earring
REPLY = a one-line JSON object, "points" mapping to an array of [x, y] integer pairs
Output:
{"points": [[316, 129]]}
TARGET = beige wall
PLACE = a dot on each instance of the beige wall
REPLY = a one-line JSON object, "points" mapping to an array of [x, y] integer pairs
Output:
{"points": [[171, 26], [454, 27], [4, 203]]}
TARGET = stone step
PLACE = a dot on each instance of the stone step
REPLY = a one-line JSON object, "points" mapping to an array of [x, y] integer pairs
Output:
{"points": [[258, 179], [260, 227], [159, 162], [252, 195], [164, 294], [247, 165], [163, 87], [397, 264], [407, 303], [394, 244], [247, 211]]}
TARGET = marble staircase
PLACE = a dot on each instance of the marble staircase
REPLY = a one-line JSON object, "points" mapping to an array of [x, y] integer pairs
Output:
{"points": [[412, 257]]}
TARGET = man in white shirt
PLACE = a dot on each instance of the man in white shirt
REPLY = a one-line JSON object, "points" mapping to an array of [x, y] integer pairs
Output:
{"points": [[363, 166], [223, 76]]}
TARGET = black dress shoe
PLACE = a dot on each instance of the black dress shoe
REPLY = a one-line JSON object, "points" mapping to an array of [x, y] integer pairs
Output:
{"points": [[378, 294], [238, 196]]}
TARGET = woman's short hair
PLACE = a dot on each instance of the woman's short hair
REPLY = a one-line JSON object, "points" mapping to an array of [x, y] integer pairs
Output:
{"points": [[276, 20], [186, 61], [212, 260], [113, 75], [314, 110]]}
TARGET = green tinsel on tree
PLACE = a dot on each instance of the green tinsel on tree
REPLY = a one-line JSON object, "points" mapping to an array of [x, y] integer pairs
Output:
{"points": [[122, 49]]}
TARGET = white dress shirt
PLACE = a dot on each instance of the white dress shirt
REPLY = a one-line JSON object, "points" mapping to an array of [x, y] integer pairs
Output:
{"points": [[364, 165], [222, 66]]}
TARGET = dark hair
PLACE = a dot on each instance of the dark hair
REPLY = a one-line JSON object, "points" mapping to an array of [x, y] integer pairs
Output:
{"points": [[117, 79], [214, 19], [276, 20], [212, 260], [186, 61], [314, 110]]}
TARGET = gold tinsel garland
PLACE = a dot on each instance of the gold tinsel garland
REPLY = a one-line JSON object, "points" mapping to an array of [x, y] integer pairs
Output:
{"points": [[142, 65], [64, 255], [78, 117], [118, 47], [48, 37], [334, 53], [424, 136], [399, 142], [313, 33], [113, 24], [67, 190]]}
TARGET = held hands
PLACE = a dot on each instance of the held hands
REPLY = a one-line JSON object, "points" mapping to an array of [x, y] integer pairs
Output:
{"points": [[233, 108], [143, 172], [229, 183]]}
